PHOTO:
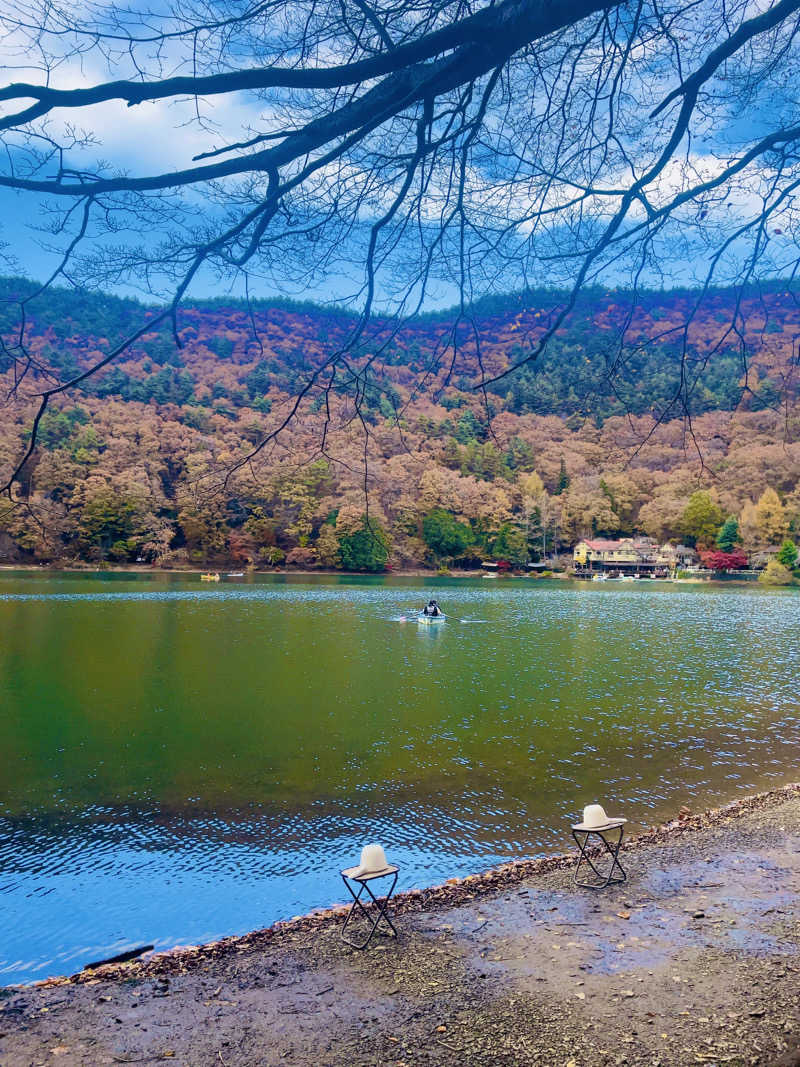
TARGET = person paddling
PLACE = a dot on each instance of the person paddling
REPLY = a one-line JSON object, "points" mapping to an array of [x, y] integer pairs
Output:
{"points": [[431, 608]]}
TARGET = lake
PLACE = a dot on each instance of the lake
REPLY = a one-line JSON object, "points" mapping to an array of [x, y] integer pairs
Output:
{"points": [[183, 761]]}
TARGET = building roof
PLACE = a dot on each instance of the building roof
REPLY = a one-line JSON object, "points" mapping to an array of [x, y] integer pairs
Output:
{"points": [[602, 546]]}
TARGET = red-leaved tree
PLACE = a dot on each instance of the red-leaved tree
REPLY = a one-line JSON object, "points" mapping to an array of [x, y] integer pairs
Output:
{"points": [[724, 561]]}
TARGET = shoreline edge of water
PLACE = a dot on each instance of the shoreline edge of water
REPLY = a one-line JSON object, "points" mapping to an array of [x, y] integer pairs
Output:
{"points": [[449, 894]]}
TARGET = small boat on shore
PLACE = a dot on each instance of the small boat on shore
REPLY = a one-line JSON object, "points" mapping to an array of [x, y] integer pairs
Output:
{"points": [[209, 577], [235, 574]]}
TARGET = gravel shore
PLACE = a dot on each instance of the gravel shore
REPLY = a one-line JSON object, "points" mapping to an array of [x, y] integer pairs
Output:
{"points": [[695, 960]]}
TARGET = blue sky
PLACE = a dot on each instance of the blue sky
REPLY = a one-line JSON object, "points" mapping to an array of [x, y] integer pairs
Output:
{"points": [[161, 136]]}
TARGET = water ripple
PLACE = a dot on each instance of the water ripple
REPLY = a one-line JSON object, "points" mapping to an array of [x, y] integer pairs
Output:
{"points": [[182, 763]]}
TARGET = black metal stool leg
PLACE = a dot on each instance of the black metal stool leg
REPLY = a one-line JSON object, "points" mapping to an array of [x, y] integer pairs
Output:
{"points": [[613, 851], [382, 912], [357, 902], [379, 912], [603, 880]]}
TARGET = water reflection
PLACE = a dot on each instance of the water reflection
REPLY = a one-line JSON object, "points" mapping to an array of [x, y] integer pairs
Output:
{"points": [[182, 763]]}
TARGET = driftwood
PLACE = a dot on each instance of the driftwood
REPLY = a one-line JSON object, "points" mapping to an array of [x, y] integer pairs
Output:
{"points": [[123, 957]]}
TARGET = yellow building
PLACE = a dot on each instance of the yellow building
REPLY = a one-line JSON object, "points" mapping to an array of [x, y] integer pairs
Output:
{"points": [[628, 555]]}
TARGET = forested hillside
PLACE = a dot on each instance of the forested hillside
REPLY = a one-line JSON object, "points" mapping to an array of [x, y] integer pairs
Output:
{"points": [[401, 460]]}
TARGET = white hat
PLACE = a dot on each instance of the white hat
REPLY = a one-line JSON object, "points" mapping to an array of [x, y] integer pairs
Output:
{"points": [[595, 818], [373, 859]]}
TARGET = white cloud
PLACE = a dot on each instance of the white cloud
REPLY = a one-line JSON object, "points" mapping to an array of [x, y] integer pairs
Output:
{"points": [[153, 136]]}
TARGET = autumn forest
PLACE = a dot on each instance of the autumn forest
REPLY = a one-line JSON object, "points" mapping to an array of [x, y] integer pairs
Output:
{"points": [[402, 459]]}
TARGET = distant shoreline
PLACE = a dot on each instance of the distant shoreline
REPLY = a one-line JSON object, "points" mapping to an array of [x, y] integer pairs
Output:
{"points": [[133, 568], [410, 572]]}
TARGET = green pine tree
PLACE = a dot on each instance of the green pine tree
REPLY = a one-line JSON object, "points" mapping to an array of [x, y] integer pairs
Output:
{"points": [[365, 549], [563, 478], [787, 554], [728, 537]]}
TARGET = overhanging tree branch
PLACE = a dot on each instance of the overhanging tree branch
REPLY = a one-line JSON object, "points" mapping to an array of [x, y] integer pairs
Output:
{"points": [[499, 30], [407, 144]]}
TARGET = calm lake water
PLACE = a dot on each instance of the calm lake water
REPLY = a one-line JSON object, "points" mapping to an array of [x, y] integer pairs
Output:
{"points": [[182, 761]]}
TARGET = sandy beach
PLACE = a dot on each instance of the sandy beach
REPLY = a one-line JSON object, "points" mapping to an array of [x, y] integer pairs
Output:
{"points": [[695, 960]]}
